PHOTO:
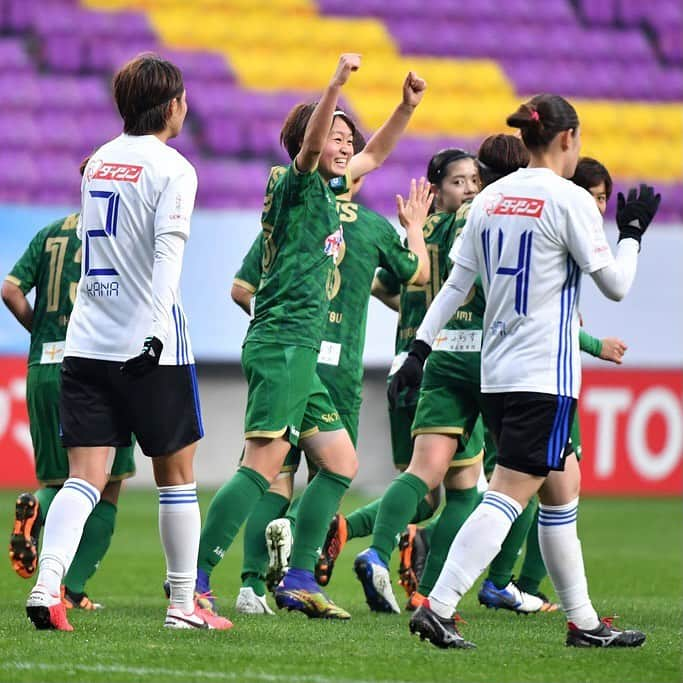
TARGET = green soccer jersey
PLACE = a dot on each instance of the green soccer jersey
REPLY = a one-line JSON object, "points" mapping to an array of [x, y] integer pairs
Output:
{"points": [[302, 238], [51, 264], [370, 241], [414, 300], [457, 348]]}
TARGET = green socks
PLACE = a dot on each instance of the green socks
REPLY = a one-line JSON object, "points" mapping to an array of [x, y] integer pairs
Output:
{"points": [[398, 506], [292, 512], [500, 570], [45, 497], [533, 568], [270, 507], [319, 503], [459, 506], [231, 505], [95, 541], [361, 522]]}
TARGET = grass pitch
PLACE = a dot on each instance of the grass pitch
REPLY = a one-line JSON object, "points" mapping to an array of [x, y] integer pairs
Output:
{"points": [[634, 564]]}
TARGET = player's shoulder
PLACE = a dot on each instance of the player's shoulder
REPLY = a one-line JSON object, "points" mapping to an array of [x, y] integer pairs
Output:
{"points": [[177, 163], [62, 226]]}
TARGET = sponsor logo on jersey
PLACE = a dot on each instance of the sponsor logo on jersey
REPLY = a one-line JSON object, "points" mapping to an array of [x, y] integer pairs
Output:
{"points": [[333, 243], [500, 205], [126, 173]]}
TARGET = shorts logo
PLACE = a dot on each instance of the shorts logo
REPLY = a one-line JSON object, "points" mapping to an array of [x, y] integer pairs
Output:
{"points": [[515, 206], [126, 173], [328, 418]]}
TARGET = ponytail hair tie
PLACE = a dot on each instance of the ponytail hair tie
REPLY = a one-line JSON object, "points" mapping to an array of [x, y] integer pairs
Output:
{"points": [[535, 116]]}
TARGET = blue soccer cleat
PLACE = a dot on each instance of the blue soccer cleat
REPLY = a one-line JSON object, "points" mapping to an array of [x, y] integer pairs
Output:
{"points": [[511, 597], [298, 591], [373, 575]]}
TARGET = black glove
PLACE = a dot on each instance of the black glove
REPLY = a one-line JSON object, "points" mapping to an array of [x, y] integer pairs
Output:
{"points": [[636, 212], [147, 360], [409, 375]]}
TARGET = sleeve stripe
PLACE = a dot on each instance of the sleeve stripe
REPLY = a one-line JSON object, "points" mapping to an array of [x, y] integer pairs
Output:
{"points": [[14, 280], [415, 275], [244, 285]]}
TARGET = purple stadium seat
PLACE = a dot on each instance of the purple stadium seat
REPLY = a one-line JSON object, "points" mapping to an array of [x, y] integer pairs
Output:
{"points": [[13, 57], [603, 12]]}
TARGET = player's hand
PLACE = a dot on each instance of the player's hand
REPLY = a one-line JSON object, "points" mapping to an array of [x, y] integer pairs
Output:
{"points": [[413, 89], [409, 375], [412, 212], [613, 350], [636, 211], [146, 361], [348, 62]]}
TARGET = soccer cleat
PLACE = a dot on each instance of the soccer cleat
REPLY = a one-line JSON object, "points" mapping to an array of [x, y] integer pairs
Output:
{"points": [[440, 632], [605, 635], [47, 611], [250, 603], [413, 549], [198, 618], [299, 592], [374, 577], [279, 546], [73, 600], [548, 605], [414, 601], [510, 597], [335, 541], [23, 543], [202, 592]]}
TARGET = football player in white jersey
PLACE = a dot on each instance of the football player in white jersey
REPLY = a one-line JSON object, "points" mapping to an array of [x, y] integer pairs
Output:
{"points": [[137, 197], [530, 235]]}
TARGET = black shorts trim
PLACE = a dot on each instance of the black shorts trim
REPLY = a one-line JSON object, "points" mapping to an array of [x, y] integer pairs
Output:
{"points": [[531, 430], [100, 406]]}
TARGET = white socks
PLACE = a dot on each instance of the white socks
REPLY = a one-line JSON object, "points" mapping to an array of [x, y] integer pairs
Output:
{"points": [[561, 551], [66, 518], [179, 527], [476, 544]]}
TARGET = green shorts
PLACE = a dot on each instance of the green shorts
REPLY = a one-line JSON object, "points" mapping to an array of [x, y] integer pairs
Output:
{"points": [[52, 462], [449, 407], [490, 453], [293, 460], [286, 396], [474, 449], [575, 436]]}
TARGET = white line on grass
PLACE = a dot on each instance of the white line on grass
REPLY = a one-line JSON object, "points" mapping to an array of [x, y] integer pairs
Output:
{"points": [[157, 671]]}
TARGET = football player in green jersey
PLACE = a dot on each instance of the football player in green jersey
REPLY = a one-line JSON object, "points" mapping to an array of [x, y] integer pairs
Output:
{"points": [[371, 242], [286, 398], [51, 265]]}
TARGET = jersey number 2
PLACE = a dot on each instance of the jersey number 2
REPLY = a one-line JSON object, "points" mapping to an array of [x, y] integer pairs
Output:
{"points": [[109, 232]]}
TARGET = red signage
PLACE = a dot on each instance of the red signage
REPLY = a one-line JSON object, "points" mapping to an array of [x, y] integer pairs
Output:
{"points": [[16, 450], [632, 432]]}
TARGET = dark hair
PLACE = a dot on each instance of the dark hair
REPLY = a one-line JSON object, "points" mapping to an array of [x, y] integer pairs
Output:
{"points": [[542, 118], [294, 127], [143, 90], [500, 155], [84, 163], [438, 164], [590, 173], [359, 141]]}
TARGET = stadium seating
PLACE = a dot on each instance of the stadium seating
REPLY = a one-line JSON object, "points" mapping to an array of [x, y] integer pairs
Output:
{"points": [[246, 64]]}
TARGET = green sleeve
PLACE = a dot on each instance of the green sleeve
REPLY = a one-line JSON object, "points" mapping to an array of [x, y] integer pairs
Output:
{"points": [[25, 272], [249, 274], [389, 281], [589, 344], [396, 259]]}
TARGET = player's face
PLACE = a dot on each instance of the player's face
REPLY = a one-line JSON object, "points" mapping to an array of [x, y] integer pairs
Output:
{"points": [[460, 184], [599, 193], [178, 114], [338, 150]]}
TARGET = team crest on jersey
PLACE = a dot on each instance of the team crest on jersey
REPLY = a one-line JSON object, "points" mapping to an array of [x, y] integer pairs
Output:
{"points": [[101, 170], [333, 243], [501, 205]]}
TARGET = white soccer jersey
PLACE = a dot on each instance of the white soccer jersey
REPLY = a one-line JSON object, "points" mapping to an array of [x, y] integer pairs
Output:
{"points": [[135, 189], [530, 235]]}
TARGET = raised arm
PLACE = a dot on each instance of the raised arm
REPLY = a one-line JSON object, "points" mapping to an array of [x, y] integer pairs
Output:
{"points": [[320, 122], [412, 214], [384, 140]]}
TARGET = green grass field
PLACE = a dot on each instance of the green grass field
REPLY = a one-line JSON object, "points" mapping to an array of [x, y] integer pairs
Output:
{"points": [[634, 563]]}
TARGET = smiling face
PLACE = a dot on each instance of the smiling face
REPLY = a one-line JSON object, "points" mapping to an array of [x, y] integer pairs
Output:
{"points": [[338, 150], [460, 184]]}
